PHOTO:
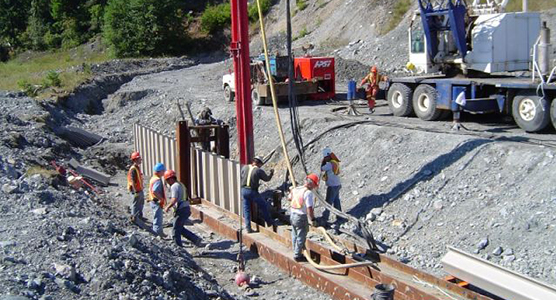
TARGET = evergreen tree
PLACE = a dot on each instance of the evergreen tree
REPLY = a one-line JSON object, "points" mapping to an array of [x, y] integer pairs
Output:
{"points": [[13, 21], [38, 25], [143, 27]]}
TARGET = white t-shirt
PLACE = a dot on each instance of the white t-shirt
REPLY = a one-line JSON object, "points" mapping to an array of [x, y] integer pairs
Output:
{"points": [[308, 200], [177, 191], [333, 179]]}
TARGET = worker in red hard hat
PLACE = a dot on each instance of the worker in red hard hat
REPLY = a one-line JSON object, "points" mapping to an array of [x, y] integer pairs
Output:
{"points": [[372, 80], [302, 214], [250, 177], [182, 211], [135, 187]]}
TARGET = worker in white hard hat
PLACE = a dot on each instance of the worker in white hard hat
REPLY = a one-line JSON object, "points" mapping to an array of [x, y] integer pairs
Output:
{"points": [[330, 167]]}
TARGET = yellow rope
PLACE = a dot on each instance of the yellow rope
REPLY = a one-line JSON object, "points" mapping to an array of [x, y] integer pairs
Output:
{"points": [[273, 94]]}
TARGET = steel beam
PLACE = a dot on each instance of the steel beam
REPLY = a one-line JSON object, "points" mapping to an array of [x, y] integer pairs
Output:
{"points": [[362, 278], [184, 155], [495, 279]]}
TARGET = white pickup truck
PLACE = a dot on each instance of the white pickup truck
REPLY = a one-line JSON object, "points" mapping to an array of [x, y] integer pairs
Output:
{"points": [[228, 85], [260, 89]]}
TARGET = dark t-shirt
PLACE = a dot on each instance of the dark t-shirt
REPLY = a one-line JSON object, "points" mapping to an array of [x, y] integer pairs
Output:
{"points": [[256, 175]]}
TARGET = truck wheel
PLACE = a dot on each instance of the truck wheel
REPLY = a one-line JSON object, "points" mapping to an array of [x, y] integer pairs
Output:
{"points": [[424, 103], [228, 94], [256, 98], [553, 112], [530, 112], [399, 100]]}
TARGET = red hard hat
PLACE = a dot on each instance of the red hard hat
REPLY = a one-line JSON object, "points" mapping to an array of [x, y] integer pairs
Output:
{"points": [[169, 174], [374, 69], [135, 155], [242, 278], [314, 178]]}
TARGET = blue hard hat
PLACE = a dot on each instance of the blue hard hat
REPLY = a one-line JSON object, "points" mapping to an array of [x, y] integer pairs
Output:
{"points": [[159, 167]]}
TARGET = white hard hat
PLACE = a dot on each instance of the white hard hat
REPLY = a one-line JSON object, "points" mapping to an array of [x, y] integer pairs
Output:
{"points": [[326, 152]]}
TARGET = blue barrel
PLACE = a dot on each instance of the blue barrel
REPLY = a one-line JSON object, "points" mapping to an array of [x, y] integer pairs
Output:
{"points": [[352, 86]]}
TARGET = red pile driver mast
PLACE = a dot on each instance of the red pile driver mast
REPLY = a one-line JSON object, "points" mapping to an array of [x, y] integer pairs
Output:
{"points": [[240, 52]]}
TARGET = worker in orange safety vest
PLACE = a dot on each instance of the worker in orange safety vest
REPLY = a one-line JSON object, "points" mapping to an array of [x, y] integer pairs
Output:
{"points": [[157, 198], [135, 187], [302, 214], [372, 80]]}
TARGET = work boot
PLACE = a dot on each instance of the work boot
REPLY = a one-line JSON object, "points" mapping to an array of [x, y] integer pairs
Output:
{"points": [[163, 235], [249, 230], [300, 259]]}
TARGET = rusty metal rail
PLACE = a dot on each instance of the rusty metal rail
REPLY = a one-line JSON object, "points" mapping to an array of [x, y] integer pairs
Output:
{"points": [[353, 283]]}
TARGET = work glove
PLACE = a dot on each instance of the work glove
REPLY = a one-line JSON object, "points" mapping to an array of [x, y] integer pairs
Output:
{"points": [[313, 222], [271, 172]]}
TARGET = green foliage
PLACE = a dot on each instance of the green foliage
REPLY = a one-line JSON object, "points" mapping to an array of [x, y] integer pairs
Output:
{"points": [[38, 25], [52, 79], [536, 5], [13, 20], [27, 88], [254, 11], [301, 4], [216, 17], [400, 8], [304, 32], [22, 70], [96, 11], [137, 28]]}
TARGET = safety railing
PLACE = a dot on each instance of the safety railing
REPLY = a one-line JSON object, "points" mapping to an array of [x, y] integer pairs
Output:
{"points": [[213, 177]]}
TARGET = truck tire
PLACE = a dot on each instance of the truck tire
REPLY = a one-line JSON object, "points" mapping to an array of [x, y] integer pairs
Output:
{"points": [[256, 98], [553, 112], [530, 112], [399, 100], [424, 103], [228, 94]]}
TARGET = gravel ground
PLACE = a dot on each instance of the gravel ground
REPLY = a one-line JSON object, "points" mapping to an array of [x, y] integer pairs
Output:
{"points": [[419, 186], [61, 243]]}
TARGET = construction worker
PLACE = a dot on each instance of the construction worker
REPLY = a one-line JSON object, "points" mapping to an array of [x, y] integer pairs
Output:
{"points": [[157, 198], [330, 166], [372, 80], [135, 187], [302, 214], [250, 176], [205, 118], [182, 211]]}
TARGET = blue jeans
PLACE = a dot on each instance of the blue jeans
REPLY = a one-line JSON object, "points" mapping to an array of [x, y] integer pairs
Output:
{"points": [[157, 217], [249, 196], [300, 227], [333, 198], [178, 229]]}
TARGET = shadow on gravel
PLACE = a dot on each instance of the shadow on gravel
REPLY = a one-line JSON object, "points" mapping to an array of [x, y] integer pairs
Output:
{"points": [[427, 171]]}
